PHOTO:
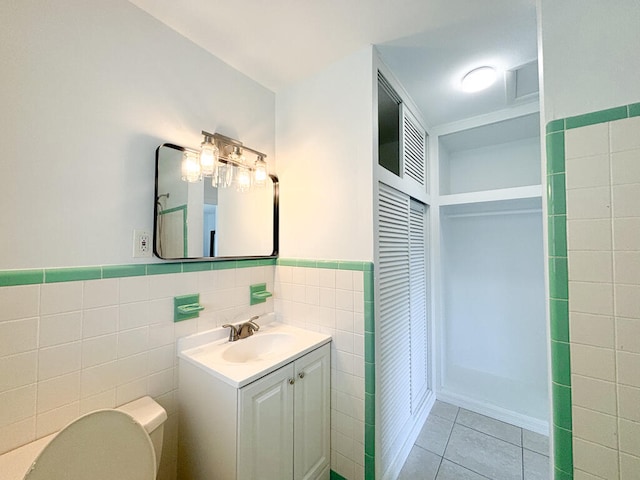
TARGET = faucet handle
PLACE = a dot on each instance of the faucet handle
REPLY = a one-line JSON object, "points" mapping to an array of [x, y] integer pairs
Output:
{"points": [[233, 333]]}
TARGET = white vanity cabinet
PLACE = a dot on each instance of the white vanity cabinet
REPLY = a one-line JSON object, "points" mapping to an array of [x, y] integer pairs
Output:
{"points": [[274, 428]]}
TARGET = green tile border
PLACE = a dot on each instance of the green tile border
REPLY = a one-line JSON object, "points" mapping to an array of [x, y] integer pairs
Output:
{"points": [[12, 278], [336, 476], [558, 276]]}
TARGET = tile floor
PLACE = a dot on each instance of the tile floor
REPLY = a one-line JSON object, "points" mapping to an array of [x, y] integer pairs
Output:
{"points": [[456, 444]]}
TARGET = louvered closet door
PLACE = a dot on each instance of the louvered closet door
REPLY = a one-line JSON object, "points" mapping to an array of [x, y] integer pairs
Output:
{"points": [[413, 145], [395, 343], [418, 303]]}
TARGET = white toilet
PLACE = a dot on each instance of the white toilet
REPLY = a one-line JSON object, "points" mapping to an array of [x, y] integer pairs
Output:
{"points": [[123, 443]]}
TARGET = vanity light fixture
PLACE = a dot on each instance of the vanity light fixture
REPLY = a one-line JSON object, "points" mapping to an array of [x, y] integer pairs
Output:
{"points": [[479, 79], [223, 159]]}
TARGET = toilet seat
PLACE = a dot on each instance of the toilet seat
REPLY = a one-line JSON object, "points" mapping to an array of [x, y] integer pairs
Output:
{"points": [[102, 445]]}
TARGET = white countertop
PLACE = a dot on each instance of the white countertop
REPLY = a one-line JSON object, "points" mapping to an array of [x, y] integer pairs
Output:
{"points": [[208, 350]]}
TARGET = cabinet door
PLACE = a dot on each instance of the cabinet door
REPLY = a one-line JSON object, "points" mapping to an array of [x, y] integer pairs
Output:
{"points": [[265, 437], [312, 409]]}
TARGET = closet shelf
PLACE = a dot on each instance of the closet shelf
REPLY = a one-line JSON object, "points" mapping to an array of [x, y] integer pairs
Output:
{"points": [[514, 193]]}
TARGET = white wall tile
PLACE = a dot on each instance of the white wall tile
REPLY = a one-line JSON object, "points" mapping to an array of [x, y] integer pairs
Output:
{"points": [[599, 460], [161, 311], [19, 302], [629, 466], [99, 321], [629, 437], [97, 350], [53, 420], [586, 141], [596, 330], [344, 279], [100, 293], [628, 368], [312, 295], [625, 167], [629, 402], [98, 379], [595, 427], [589, 235], [132, 315], [344, 299], [60, 297], [595, 298], [17, 336], [17, 434], [132, 368], [106, 399], [298, 276], [133, 289], [587, 172], [628, 334], [128, 392], [593, 362], [327, 297], [132, 341], [162, 358], [594, 394], [160, 383], [626, 200], [163, 286], [59, 360], [284, 274], [61, 328], [627, 267], [17, 405], [628, 301], [626, 233], [624, 134], [589, 203], [18, 370], [57, 392], [591, 267], [327, 277], [312, 277]]}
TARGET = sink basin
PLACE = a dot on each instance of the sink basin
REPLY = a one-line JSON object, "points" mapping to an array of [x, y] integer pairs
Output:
{"points": [[243, 361], [258, 347]]}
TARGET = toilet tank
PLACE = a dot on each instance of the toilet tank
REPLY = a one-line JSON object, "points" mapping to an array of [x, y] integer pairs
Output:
{"points": [[148, 413]]}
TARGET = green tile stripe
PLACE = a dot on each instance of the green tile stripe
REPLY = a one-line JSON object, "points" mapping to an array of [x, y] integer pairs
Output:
{"points": [[12, 278], [336, 476], [558, 276], [333, 264], [369, 374]]}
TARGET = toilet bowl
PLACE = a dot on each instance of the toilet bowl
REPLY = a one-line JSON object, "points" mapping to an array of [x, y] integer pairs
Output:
{"points": [[123, 443]]}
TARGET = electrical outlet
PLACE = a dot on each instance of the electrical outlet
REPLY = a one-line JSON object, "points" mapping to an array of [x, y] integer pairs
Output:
{"points": [[141, 244]]}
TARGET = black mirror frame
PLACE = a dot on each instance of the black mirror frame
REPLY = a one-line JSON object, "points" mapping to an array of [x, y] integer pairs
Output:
{"points": [[276, 219]]}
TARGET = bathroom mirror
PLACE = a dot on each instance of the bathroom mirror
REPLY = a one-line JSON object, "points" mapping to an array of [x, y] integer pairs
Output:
{"points": [[194, 220]]}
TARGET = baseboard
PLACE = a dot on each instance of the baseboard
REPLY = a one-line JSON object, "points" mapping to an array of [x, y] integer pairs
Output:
{"points": [[502, 414]]}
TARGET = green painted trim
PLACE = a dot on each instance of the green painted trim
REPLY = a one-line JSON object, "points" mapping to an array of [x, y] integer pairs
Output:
{"points": [[556, 194], [119, 271], [560, 475], [601, 116], [560, 363], [196, 267], [559, 310], [563, 450], [555, 153], [562, 406], [369, 467], [557, 233], [336, 476], [163, 268], [634, 110], [355, 266], [555, 126], [227, 265], [73, 274], [21, 277], [558, 278]]}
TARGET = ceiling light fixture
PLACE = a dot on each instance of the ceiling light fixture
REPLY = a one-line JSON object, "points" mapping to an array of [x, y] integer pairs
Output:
{"points": [[479, 79]]}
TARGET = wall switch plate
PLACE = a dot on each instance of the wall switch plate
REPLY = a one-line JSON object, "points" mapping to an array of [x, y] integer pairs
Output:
{"points": [[141, 244]]}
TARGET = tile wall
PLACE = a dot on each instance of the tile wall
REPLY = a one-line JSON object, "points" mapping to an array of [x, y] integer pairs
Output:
{"points": [[594, 178], [69, 347], [337, 301]]}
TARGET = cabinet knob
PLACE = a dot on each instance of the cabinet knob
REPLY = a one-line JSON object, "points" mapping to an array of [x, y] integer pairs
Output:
{"points": [[291, 381], [301, 375]]}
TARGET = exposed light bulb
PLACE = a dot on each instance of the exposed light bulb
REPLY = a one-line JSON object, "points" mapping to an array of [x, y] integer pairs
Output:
{"points": [[260, 172], [208, 156], [243, 178], [191, 171], [479, 79]]}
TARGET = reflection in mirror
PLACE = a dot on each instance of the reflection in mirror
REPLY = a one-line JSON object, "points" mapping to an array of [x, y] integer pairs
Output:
{"points": [[198, 220]]}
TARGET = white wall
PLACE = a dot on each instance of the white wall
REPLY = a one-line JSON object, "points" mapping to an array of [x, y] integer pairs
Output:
{"points": [[324, 141], [88, 90], [590, 55]]}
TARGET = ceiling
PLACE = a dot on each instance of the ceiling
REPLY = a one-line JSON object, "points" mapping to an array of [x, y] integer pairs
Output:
{"points": [[428, 44]]}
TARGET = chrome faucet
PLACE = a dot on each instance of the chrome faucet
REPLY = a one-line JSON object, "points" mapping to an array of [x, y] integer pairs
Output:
{"points": [[242, 330]]}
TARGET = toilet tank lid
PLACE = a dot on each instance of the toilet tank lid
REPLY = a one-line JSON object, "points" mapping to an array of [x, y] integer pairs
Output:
{"points": [[145, 411]]}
